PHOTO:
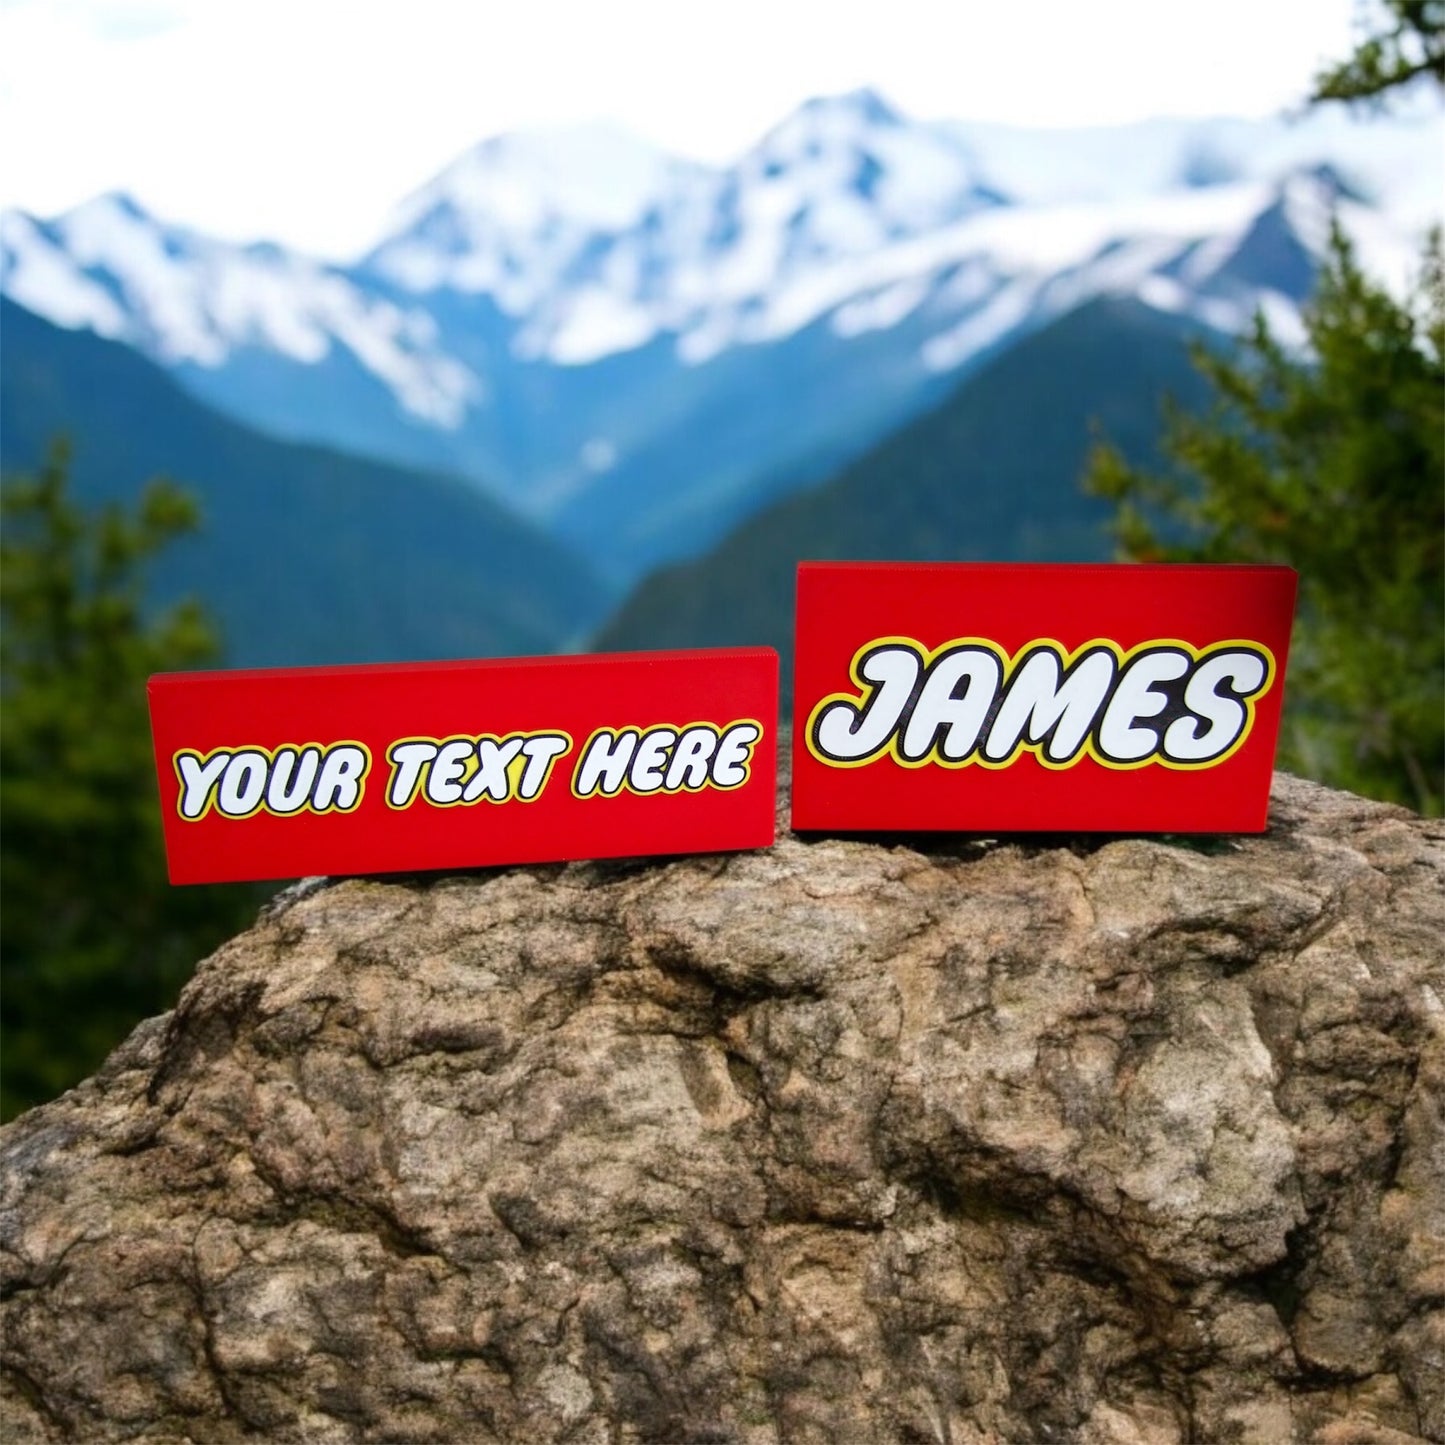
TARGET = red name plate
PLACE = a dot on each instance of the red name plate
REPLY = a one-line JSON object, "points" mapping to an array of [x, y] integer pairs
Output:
{"points": [[283, 773], [991, 698]]}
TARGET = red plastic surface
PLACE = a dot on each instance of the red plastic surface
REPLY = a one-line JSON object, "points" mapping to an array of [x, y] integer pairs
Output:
{"points": [[875, 634], [450, 753]]}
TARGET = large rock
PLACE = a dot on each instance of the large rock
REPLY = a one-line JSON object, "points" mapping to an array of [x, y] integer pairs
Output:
{"points": [[933, 1141]]}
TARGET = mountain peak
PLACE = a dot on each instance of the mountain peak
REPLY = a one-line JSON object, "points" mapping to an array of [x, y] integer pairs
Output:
{"points": [[855, 173], [826, 122], [109, 207], [512, 213], [596, 175], [865, 103]]}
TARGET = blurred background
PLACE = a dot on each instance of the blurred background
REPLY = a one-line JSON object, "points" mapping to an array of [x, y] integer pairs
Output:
{"points": [[338, 333]]}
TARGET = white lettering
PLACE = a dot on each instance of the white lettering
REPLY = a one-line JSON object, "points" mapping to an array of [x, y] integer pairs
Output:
{"points": [[1037, 706], [541, 752], [649, 762], [283, 783], [690, 758], [493, 759], [342, 771], [940, 707], [407, 762], [197, 780], [1136, 698], [1225, 716], [666, 759], [846, 731], [469, 769], [730, 766], [289, 786], [604, 764], [444, 780], [1045, 698], [242, 784]]}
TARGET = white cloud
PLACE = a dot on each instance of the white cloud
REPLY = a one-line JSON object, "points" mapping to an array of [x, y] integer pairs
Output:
{"points": [[306, 119]]}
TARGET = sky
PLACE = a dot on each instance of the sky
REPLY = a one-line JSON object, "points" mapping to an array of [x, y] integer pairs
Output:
{"points": [[305, 121]]}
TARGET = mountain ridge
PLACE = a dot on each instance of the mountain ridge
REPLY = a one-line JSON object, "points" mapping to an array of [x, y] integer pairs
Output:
{"points": [[304, 555], [990, 474], [585, 325]]}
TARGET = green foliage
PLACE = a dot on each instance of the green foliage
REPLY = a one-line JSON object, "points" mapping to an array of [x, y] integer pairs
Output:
{"points": [[1332, 462], [1408, 41], [93, 936]]}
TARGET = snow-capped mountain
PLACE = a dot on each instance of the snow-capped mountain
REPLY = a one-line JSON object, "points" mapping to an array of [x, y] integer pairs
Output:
{"points": [[190, 301], [735, 256], [514, 216], [639, 351], [847, 200], [1395, 157]]}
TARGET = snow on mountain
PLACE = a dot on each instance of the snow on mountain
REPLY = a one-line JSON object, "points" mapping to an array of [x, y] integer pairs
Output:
{"points": [[186, 299], [512, 215], [1191, 251], [849, 208], [842, 176], [577, 318], [598, 243], [41, 275], [742, 254], [1392, 164], [594, 244], [1395, 159]]}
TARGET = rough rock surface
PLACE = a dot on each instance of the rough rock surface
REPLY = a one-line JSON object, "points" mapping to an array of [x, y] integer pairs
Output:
{"points": [[934, 1141]]}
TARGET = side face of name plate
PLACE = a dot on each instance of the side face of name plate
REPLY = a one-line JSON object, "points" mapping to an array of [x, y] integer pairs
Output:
{"points": [[416, 766], [1040, 698]]}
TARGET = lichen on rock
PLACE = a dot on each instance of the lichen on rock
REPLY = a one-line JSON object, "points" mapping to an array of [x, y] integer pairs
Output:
{"points": [[916, 1140]]}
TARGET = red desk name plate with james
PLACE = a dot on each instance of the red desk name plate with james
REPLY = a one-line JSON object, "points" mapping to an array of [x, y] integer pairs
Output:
{"points": [[993, 697], [414, 766]]}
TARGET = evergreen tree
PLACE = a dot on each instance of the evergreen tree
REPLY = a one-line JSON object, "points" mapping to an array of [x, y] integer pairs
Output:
{"points": [[93, 936], [1406, 43], [1334, 462]]}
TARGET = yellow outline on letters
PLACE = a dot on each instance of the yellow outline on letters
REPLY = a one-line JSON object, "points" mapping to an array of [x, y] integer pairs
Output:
{"points": [[270, 755], [678, 730], [473, 764], [1008, 665]]}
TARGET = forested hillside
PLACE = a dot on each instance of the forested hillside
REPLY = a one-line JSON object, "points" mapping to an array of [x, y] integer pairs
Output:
{"points": [[305, 555], [992, 474]]}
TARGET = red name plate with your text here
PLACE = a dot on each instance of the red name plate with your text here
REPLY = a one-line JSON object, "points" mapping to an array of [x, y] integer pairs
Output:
{"points": [[414, 766], [1039, 698]]}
